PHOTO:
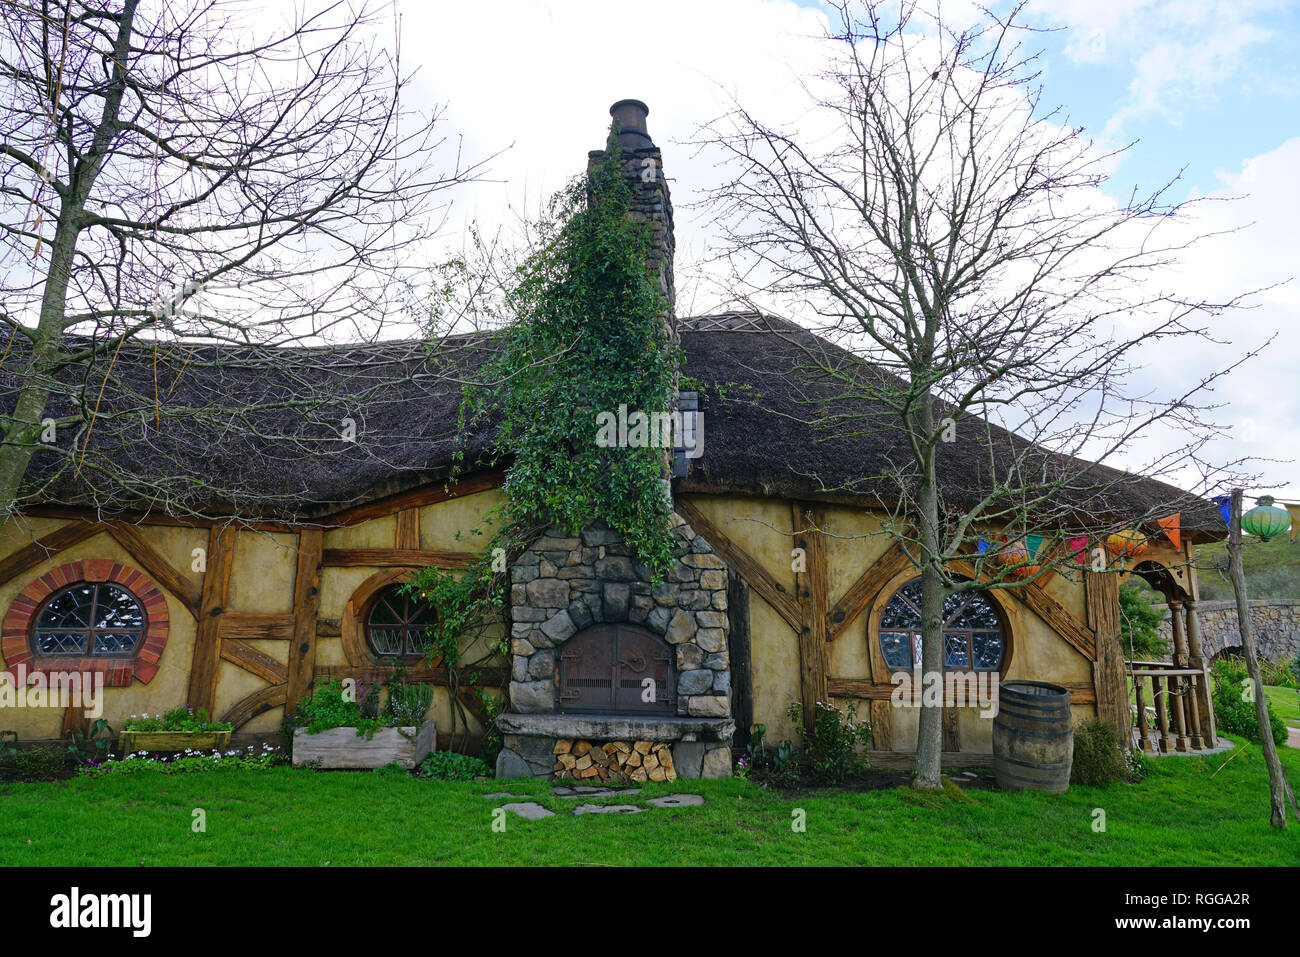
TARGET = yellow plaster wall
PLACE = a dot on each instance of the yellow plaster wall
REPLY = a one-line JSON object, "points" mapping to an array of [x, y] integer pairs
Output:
{"points": [[262, 573]]}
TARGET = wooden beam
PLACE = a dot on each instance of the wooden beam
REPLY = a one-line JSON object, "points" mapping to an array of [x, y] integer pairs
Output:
{"points": [[329, 628], [408, 529], [212, 604], [740, 656], [252, 660], [1058, 616], [132, 539], [758, 577], [1081, 692], [417, 498], [491, 677], [255, 704], [29, 556], [882, 724], [951, 740], [811, 584], [396, 558], [243, 625], [1110, 684], [861, 593], [306, 605]]}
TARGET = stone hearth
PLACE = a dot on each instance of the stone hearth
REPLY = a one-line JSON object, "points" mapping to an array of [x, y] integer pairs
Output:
{"points": [[563, 586]]}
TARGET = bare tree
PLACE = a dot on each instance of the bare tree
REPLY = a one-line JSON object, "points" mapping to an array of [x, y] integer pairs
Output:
{"points": [[204, 183], [949, 231]]}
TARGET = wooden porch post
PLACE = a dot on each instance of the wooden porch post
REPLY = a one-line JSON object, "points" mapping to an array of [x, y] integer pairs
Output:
{"points": [[1196, 659], [1177, 686]]}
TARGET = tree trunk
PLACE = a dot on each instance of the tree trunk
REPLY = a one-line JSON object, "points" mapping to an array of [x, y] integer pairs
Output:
{"points": [[1276, 777], [929, 734]]}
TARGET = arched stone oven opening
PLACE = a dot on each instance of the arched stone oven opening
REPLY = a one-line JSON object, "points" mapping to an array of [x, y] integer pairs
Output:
{"points": [[617, 669]]}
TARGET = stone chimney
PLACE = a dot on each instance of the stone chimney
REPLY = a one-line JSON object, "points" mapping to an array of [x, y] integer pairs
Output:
{"points": [[643, 167]]}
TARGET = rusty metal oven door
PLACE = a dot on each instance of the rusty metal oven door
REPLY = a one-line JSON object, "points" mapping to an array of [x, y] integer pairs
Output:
{"points": [[617, 668]]}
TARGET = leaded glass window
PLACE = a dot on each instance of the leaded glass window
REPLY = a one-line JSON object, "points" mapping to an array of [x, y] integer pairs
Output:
{"points": [[89, 619], [973, 636], [397, 625]]}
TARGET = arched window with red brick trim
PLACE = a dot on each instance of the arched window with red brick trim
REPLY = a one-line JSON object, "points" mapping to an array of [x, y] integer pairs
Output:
{"points": [[92, 615]]}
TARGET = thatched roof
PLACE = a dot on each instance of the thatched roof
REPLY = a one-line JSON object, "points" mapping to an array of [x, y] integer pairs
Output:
{"points": [[260, 434]]}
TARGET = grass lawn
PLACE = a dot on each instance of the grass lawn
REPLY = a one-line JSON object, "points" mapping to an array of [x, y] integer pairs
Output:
{"points": [[1285, 703], [1181, 814]]}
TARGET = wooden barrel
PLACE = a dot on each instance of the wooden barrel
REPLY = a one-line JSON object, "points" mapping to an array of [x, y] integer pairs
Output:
{"points": [[1033, 737]]}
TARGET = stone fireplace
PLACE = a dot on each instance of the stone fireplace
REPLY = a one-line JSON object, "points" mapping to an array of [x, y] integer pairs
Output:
{"points": [[605, 661]]}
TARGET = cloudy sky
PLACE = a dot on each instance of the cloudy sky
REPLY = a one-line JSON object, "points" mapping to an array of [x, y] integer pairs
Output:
{"points": [[1208, 90]]}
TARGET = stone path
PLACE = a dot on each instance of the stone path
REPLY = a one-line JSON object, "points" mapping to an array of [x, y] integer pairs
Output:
{"points": [[533, 811]]}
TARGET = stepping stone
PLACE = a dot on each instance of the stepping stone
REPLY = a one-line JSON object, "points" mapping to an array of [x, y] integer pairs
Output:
{"points": [[528, 809], [678, 800], [584, 790], [607, 809], [499, 794]]}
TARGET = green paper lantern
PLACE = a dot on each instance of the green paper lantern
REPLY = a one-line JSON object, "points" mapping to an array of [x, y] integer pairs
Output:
{"points": [[1266, 520]]}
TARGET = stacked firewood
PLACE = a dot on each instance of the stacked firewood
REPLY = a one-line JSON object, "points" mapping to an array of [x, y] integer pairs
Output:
{"points": [[614, 761]]}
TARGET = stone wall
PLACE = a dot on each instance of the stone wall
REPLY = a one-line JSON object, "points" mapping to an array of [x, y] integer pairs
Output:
{"points": [[1276, 623]]}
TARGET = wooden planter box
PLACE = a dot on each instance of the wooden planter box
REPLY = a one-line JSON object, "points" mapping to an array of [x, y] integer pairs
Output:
{"points": [[132, 741], [344, 748]]}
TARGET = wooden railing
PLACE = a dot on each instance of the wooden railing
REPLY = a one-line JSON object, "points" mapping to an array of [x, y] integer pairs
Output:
{"points": [[1174, 698]]}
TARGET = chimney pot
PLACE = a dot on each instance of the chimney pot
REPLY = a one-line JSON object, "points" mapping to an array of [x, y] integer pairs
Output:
{"points": [[631, 115]]}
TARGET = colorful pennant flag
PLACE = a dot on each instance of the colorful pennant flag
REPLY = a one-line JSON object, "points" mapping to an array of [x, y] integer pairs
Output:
{"points": [[1225, 507], [1033, 543], [982, 545], [1079, 549], [1172, 526]]}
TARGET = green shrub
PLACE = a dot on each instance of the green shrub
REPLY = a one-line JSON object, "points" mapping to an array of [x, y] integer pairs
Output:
{"points": [[328, 707], [831, 745], [1099, 758], [52, 763], [393, 769], [1233, 709], [451, 766]]}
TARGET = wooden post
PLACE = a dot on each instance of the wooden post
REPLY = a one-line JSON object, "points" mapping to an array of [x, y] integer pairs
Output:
{"points": [[811, 585], [1196, 659], [1277, 786], [212, 603], [1101, 594], [1167, 742], [739, 657], [306, 604], [1144, 728]]}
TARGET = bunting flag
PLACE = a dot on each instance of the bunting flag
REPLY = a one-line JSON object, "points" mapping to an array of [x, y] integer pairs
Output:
{"points": [[1033, 543], [982, 545], [1172, 527], [1225, 507], [1078, 547], [1295, 520]]}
